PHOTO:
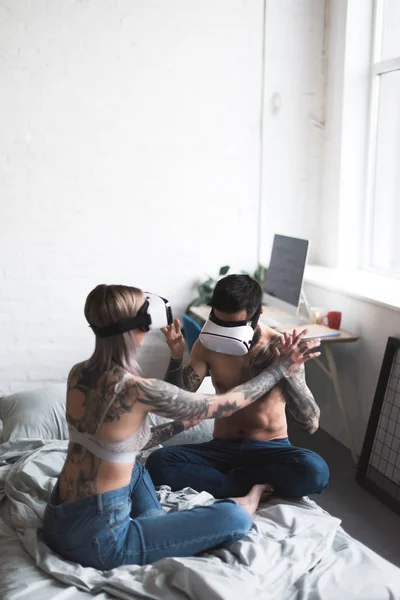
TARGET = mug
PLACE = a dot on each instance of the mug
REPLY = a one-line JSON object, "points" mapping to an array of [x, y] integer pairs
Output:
{"points": [[334, 318], [316, 314]]}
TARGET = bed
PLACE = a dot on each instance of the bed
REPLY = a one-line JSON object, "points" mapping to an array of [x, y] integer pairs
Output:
{"points": [[295, 551]]}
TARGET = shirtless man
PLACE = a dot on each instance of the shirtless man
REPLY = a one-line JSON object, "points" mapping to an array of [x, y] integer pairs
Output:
{"points": [[251, 446]]}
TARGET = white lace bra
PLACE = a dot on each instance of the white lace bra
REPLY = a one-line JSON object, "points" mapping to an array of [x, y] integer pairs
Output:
{"points": [[121, 451]]}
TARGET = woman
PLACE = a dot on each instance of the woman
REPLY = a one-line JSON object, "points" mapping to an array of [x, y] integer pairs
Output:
{"points": [[104, 510]]}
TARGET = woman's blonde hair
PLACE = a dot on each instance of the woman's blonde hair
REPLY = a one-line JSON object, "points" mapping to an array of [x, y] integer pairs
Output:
{"points": [[105, 305]]}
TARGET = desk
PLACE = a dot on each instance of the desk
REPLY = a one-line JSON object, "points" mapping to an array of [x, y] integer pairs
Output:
{"points": [[200, 313]]}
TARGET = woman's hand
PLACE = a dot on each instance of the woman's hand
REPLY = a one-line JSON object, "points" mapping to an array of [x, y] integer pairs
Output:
{"points": [[175, 340], [294, 351]]}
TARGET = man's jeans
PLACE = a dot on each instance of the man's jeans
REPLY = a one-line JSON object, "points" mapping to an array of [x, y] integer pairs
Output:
{"points": [[227, 468]]}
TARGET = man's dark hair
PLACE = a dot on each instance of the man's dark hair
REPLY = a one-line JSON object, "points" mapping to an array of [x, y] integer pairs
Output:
{"points": [[237, 292]]}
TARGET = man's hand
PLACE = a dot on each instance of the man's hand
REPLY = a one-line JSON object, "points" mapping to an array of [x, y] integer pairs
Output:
{"points": [[294, 351], [286, 340], [175, 340]]}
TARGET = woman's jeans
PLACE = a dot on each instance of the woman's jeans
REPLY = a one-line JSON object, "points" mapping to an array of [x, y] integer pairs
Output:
{"points": [[129, 526]]}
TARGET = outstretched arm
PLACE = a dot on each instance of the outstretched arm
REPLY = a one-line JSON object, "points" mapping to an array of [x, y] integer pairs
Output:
{"points": [[170, 401]]}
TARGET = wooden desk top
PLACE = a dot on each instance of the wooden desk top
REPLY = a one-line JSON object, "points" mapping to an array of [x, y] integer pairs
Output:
{"points": [[315, 331]]}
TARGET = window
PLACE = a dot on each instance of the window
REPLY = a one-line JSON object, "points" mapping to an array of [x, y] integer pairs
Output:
{"points": [[382, 247]]}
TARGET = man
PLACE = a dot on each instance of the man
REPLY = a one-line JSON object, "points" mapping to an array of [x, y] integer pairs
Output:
{"points": [[252, 445]]}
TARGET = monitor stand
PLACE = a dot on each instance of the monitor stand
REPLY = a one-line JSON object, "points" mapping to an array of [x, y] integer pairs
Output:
{"points": [[305, 305], [274, 317]]}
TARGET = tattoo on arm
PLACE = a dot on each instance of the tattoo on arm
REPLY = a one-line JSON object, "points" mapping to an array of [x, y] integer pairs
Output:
{"points": [[163, 432], [174, 373], [300, 402], [170, 401], [191, 381], [186, 378]]}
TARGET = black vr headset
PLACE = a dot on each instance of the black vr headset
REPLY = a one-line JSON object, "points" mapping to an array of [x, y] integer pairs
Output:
{"points": [[154, 313]]}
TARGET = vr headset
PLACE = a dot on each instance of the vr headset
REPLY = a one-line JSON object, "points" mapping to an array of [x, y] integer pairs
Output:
{"points": [[154, 313], [229, 337]]}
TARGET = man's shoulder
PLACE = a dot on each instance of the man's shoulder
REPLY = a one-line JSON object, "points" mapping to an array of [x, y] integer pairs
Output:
{"points": [[269, 337], [199, 351]]}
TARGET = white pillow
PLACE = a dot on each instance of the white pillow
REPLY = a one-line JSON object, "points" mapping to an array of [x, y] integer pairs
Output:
{"points": [[38, 414], [202, 432], [195, 435]]}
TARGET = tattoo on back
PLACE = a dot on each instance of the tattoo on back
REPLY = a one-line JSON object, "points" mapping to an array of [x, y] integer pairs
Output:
{"points": [[98, 392], [79, 475], [191, 380]]}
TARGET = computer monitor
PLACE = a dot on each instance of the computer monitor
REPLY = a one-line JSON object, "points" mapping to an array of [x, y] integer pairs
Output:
{"points": [[284, 278]]}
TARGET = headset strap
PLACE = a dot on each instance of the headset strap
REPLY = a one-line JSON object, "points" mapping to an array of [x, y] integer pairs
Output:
{"points": [[253, 321]]}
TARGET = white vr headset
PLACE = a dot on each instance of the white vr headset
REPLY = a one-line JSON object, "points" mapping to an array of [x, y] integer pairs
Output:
{"points": [[229, 337], [154, 313]]}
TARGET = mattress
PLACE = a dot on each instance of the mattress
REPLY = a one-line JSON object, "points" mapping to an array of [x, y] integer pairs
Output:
{"points": [[295, 551]]}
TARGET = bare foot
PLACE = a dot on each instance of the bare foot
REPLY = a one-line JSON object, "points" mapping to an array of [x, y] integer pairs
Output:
{"points": [[251, 501], [266, 495]]}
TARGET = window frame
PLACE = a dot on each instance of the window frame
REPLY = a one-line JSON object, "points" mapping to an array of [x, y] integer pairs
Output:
{"points": [[378, 68]]}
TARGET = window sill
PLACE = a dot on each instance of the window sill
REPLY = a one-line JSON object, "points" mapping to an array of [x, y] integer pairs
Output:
{"points": [[366, 286]]}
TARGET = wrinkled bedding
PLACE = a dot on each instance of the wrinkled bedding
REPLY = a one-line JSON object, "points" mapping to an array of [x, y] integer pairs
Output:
{"points": [[295, 551]]}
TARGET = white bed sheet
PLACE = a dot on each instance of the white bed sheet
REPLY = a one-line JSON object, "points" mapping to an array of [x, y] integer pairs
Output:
{"points": [[295, 551]]}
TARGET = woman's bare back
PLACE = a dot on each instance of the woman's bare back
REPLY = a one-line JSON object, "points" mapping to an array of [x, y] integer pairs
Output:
{"points": [[89, 396]]}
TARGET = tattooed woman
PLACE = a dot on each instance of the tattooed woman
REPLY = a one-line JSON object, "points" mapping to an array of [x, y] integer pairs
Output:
{"points": [[104, 510]]}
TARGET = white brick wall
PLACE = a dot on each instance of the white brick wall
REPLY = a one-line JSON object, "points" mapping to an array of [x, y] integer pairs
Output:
{"points": [[129, 152], [293, 130]]}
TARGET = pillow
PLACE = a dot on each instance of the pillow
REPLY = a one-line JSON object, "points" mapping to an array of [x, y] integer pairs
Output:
{"points": [[38, 414], [195, 435]]}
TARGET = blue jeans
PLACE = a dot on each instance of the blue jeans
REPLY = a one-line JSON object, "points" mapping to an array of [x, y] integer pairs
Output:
{"points": [[129, 526], [231, 467]]}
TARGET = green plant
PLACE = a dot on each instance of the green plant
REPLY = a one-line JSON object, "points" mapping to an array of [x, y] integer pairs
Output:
{"points": [[205, 289]]}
